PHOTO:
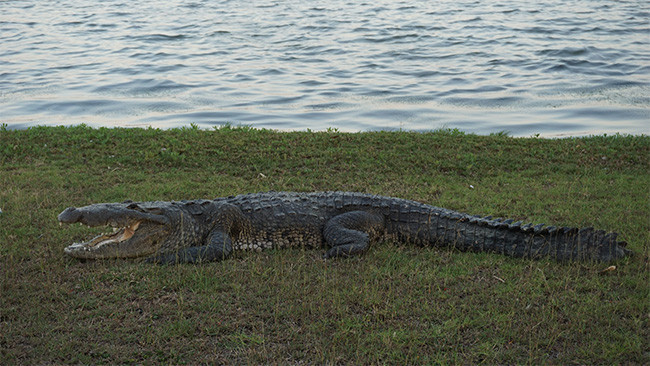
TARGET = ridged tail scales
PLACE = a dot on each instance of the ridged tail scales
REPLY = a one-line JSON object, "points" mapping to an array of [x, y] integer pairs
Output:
{"points": [[443, 227]]}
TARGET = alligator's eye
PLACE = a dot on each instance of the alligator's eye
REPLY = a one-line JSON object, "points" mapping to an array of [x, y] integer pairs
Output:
{"points": [[148, 210], [134, 206], [128, 201]]}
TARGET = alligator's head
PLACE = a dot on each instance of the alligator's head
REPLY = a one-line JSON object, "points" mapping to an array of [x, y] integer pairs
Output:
{"points": [[139, 229]]}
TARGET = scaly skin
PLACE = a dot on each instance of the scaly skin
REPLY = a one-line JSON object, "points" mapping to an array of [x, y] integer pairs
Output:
{"points": [[347, 222]]}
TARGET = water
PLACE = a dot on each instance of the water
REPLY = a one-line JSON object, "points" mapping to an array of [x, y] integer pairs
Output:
{"points": [[553, 67]]}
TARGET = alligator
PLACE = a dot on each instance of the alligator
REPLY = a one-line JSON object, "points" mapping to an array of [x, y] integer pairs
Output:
{"points": [[347, 222]]}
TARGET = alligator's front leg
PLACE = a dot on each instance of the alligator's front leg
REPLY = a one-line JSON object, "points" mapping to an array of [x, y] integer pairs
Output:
{"points": [[218, 247], [349, 233]]}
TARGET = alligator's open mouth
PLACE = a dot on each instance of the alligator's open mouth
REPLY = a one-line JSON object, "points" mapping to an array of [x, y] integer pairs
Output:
{"points": [[136, 233], [117, 236]]}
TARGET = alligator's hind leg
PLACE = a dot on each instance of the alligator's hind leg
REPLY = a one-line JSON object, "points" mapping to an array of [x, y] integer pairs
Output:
{"points": [[350, 233], [219, 247]]}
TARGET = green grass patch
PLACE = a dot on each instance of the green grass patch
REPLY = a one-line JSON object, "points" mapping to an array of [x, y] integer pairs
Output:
{"points": [[396, 304]]}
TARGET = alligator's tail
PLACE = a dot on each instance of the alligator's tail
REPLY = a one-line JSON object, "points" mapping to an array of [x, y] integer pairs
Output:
{"points": [[475, 233]]}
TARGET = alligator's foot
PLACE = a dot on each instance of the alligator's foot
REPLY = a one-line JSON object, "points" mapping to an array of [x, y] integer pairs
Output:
{"points": [[349, 233], [219, 248]]}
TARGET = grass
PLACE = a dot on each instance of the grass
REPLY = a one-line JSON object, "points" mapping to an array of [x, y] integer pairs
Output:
{"points": [[396, 304]]}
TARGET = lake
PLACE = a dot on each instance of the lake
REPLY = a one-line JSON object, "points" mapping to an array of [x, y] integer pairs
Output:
{"points": [[548, 68]]}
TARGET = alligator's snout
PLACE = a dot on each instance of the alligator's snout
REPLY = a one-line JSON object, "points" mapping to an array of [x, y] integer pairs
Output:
{"points": [[70, 215]]}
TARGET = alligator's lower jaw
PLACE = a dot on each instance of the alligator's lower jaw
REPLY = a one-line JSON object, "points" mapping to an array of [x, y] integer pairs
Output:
{"points": [[117, 236]]}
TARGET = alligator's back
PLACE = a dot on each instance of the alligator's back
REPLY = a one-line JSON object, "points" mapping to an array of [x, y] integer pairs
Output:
{"points": [[287, 218]]}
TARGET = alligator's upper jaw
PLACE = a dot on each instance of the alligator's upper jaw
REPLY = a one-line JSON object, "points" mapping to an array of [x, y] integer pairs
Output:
{"points": [[135, 233], [113, 214]]}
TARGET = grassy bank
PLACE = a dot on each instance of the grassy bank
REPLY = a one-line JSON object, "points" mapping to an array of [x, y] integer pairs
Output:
{"points": [[395, 304]]}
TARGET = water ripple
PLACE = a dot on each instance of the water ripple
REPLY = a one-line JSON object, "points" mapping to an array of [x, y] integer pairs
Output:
{"points": [[482, 67]]}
